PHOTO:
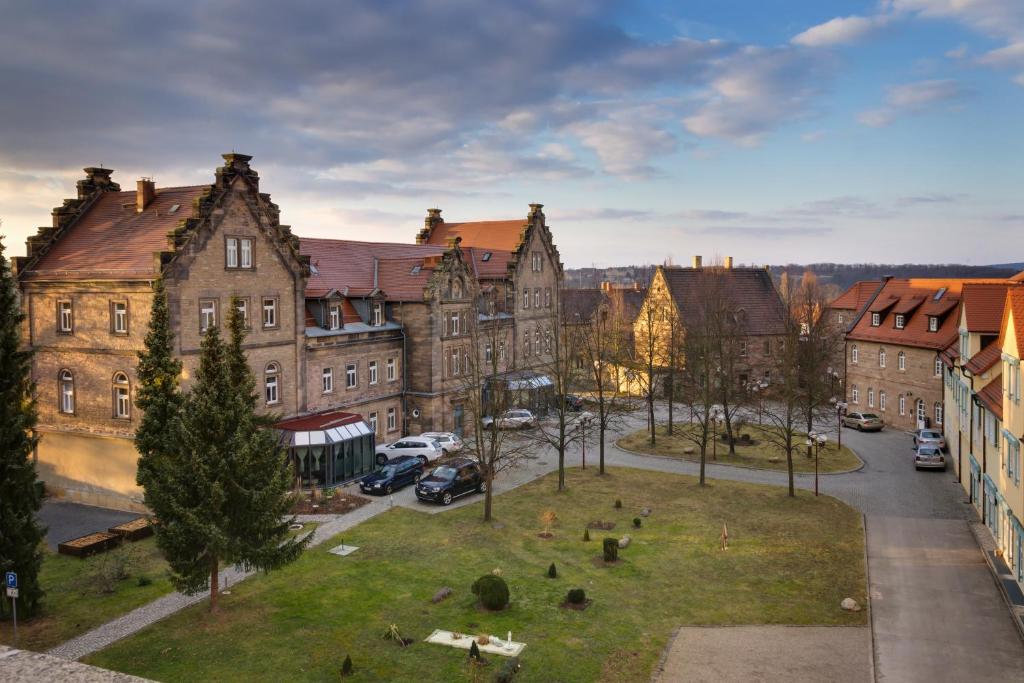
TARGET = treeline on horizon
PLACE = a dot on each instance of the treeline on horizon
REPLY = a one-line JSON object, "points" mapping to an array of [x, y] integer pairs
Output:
{"points": [[839, 275]]}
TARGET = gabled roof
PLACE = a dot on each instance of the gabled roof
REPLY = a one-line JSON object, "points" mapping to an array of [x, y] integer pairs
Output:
{"points": [[581, 305], [951, 353], [858, 294], [749, 290], [983, 360], [400, 271], [983, 304], [1014, 305], [991, 395], [110, 240], [941, 298], [494, 235]]}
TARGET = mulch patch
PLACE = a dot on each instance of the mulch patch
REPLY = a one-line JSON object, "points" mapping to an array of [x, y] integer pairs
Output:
{"points": [[545, 534], [338, 504], [604, 526], [599, 562], [579, 607]]}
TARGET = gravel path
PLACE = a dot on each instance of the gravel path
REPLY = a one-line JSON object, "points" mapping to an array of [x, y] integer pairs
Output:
{"points": [[163, 607]]}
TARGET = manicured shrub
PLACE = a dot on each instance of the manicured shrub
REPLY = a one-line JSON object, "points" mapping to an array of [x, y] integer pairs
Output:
{"points": [[552, 572], [636, 522], [346, 666], [508, 671], [586, 534], [474, 651], [576, 596], [618, 503], [611, 549], [492, 591]]}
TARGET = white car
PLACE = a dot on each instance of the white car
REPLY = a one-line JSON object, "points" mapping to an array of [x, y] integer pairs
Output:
{"points": [[450, 443], [516, 418], [427, 450]]}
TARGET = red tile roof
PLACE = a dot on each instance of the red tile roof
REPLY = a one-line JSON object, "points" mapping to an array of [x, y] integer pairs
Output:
{"points": [[858, 294], [1015, 305], [992, 396], [949, 354], [915, 332], [985, 359], [111, 240], [496, 235], [581, 305], [748, 289], [983, 304], [357, 268], [318, 421]]}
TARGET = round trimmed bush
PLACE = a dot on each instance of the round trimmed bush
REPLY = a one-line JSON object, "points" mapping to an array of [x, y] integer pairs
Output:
{"points": [[576, 596], [636, 522], [492, 591]]}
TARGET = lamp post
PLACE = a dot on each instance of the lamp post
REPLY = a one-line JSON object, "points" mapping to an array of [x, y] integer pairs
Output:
{"points": [[818, 441], [840, 409]]}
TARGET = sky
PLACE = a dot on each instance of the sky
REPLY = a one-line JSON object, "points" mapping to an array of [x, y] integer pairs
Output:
{"points": [[773, 131]]}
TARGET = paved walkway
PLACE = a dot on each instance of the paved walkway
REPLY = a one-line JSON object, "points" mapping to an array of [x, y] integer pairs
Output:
{"points": [[163, 607]]}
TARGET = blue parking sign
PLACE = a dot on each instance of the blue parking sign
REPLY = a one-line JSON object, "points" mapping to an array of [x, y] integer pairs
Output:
{"points": [[11, 580]]}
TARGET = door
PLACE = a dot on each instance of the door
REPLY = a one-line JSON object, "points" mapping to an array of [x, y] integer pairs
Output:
{"points": [[457, 412]]}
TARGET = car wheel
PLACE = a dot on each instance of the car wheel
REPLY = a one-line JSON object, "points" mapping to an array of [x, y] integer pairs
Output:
{"points": [[482, 487], [381, 458], [389, 490], [423, 459], [446, 499], [416, 478], [860, 428]]}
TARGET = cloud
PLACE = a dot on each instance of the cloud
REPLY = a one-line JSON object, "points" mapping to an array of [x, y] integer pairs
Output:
{"points": [[767, 233], [840, 31], [933, 198], [913, 98], [959, 52], [754, 91]]}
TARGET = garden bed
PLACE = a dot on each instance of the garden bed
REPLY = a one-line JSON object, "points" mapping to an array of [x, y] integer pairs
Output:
{"points": [[90, 544], [337, 504], [134, 530]]}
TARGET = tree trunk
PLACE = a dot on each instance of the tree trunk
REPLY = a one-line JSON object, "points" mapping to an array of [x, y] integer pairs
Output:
{"points": [[561, 466], [600, 468], [650, 410], [728, 433], [670, 392], [214, 582], [703, 459], [488, 479]]}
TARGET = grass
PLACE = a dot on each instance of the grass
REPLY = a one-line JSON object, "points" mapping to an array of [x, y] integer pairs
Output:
{"points": [[760, 454], [74, 602], [790, 561]]}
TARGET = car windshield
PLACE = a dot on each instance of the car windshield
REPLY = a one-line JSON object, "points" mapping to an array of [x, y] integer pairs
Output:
{"points": [[928, 450], [870, 416], [930, 434], [388, 471], [445, 473]]}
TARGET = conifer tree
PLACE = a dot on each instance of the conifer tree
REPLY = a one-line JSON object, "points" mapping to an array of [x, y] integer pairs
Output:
{"points": [[222, 494], [20, 532]]}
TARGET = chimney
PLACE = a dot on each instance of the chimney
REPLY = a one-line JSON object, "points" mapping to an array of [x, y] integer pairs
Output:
{"points": [[432, 220], [535, 210], [96, 178], [728, 262], [696, 261], [144, 194]]}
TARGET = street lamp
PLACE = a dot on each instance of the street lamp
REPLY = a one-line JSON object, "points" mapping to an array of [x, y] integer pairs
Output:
{"points": [[818, 441]]}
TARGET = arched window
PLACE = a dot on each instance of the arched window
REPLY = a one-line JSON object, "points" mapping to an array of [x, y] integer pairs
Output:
{"points": [[853, 354], [901, 360], [66, 388], [270, 383], [881, 358], [854, 393], [903, 404], [938, 413], [919, 410], [121, 395], [881, 400]]}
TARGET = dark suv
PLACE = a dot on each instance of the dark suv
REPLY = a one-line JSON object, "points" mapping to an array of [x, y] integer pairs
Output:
{"points": [[393, 475], [451, 480]]}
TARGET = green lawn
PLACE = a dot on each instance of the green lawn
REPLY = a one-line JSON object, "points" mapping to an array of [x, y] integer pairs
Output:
{"points": [[75, 603], [790, 561], [760, 453]]}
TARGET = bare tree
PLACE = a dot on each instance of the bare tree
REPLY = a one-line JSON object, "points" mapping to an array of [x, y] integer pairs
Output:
{"points": [[726, 328], [699, 376], [650, 333], [783, 406]]}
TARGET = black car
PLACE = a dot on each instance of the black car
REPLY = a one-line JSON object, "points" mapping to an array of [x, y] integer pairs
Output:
{"points": [[451, 480], [573, 403], [393, 475]]}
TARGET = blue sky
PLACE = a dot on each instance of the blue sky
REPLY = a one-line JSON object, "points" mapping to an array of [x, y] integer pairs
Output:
{"points": [[773, 131]]}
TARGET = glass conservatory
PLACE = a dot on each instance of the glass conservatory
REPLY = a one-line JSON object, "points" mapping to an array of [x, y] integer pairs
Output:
{"points": [[328, 448]]}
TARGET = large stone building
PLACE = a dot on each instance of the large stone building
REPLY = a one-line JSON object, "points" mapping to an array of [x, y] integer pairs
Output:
{"points": [[375, 329]]}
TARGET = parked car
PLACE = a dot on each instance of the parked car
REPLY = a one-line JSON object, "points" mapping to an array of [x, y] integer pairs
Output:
{"points": [[929, 437], [516, 418], [396, 473], [450, 443], [865, 422], [929, 457], [447, 482], [427, 450], [573, 403]]}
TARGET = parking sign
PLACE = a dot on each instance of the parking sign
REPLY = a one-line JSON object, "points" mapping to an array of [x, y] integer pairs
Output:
{"points": [[11, 580]]}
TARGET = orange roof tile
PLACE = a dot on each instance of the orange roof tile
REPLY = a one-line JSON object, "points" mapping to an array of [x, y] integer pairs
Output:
{"points": [[1015, 305], [983, 304], [983, 360], [360, 267], [112, 240], [496, 235], [858, 294], [991, 395]]}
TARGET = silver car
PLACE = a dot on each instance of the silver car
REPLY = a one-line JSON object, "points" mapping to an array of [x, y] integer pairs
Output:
{"points": [[928, 457], [516, 418], [450, 443], [864, 422], [929, 437]]}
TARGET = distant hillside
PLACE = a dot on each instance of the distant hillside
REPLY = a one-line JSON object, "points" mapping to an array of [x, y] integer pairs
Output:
{"points": [[840, 275]]}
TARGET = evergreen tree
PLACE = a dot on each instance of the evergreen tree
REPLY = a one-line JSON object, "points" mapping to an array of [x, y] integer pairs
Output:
{"points": [[159, 398], [20, 532], [223, 495]]}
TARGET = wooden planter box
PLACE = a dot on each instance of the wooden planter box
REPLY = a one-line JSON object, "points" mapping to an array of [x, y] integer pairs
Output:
{"points": [[91, 544], [134, 530]]}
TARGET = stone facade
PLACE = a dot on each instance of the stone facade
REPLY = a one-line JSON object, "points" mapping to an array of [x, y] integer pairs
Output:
{"points": [[870, 387]]}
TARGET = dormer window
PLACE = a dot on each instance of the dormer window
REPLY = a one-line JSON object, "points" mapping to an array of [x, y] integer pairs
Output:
{"points": [[334, 317], [486, 257], [933, 323], [876, 319], [901, 321], [378, 314]]}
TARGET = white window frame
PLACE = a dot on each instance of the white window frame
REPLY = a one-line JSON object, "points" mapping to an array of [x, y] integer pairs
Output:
{"points": [[243, 308], [372, 419], [66, 385], [920, 411], [938, 367], [933, 323], [65, 317], [488, 352], [119, 311], [854, 394], [207, 314], [903, 405], [526, 298], [939, 413], [876, 319], [389, 369], [392, 418], [327, 380], [901, 360], [871, 397], [122, 396], [501, 350], [854, 354], [231, 252], [272, 384], [372, 370], [901, 321], [881, 357], [454, 325], [334, 317], [245, 253], [269, 312], [351, 376], [881, 400], [536, 297], [378, 314]]}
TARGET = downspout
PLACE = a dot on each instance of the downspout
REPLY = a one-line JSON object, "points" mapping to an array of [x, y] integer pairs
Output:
{"points": [[405, 376], [970, 437]]}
